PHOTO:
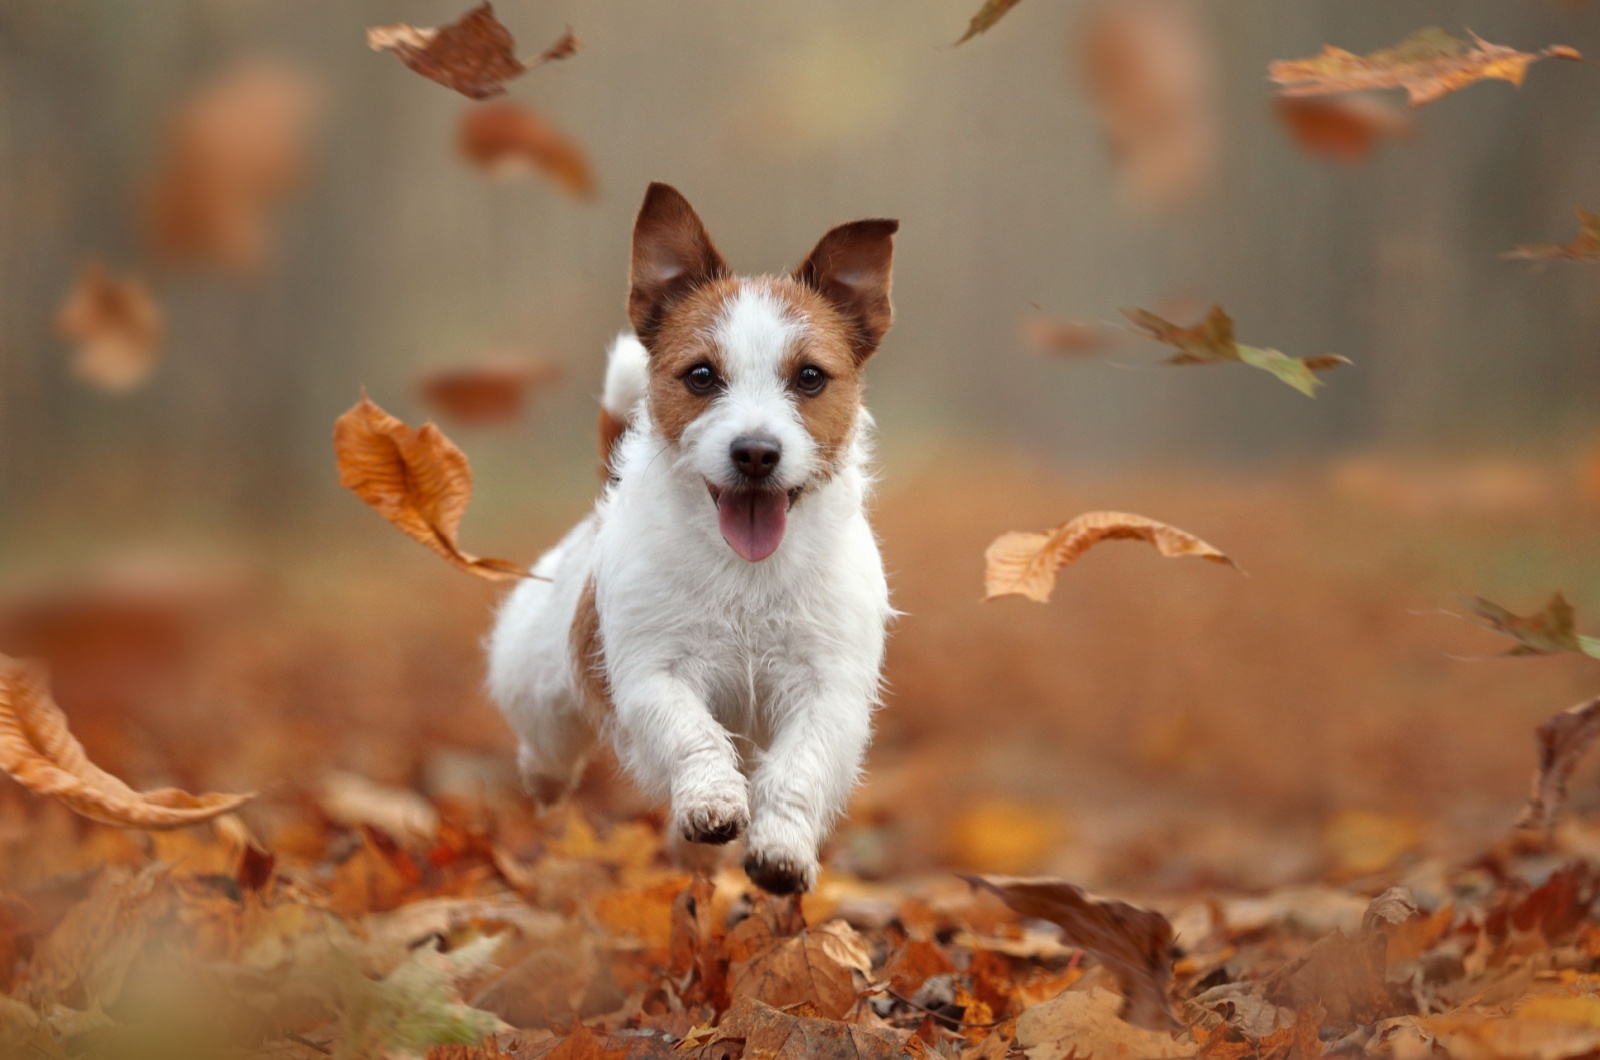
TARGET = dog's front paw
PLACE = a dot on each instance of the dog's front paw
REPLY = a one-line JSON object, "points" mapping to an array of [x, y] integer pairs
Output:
{"points": [[713, 819], [780, 873]]}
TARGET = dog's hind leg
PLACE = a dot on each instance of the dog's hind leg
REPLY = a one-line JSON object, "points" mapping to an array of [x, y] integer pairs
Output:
{"points": [[553, 747]]}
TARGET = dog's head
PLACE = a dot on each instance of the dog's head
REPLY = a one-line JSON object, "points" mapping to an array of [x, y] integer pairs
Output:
{"points": [[755, 383]]}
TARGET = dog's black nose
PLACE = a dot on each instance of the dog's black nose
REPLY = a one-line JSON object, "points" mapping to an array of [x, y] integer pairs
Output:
{"points": [[755, 456]]}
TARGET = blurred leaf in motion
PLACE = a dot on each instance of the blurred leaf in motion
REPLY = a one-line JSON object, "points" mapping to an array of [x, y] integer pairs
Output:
{"points": [[1131, 942], [1150, 73], [475, 55], [1065, 337], [1025, 564], [235, 149], [506, 139], [1211, 342], [1344, 129], [416, 1006], [490, 392], [416, 478], [1551, 631], [1585, 248], [1563, 740], [990, 13], [117, 325], [1429, 65], [39, 751]]}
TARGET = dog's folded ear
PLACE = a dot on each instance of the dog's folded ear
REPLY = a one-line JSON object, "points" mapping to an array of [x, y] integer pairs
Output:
{"points": [[672, 254], [850, 267]]}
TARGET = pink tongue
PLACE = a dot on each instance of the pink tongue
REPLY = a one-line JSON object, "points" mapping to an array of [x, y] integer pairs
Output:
{"points": [[752, 521]]}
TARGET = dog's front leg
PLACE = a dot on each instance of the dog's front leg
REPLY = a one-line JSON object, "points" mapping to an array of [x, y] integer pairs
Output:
{"points": [[671, 745], [803, 783]]}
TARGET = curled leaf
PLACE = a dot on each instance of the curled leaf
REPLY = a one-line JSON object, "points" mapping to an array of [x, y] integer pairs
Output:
{"points": [[39, 751], [1133, 943], [505, 139], [1585, 248], [990, 13], [1211, 342], [1025, 564], [117, 325], [1563, 740], [1550, 631], [416, 478], [1429, 65], [474, 55]]}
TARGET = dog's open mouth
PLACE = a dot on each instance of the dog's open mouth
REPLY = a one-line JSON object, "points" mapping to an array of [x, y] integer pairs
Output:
{"points": [[752, 520]]}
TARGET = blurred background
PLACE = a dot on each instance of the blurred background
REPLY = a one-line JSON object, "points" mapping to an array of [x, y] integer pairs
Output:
{"points": [[299, 220]]}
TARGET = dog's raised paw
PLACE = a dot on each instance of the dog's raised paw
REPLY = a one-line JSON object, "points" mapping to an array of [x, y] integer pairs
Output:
{"points": [[777, 874], [714, 824]]}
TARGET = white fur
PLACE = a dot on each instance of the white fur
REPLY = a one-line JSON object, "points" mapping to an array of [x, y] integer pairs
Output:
{"points": [[743, 692]]}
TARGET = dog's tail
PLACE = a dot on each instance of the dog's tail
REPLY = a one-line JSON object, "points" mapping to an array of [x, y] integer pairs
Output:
{"points": [[627, 375]]}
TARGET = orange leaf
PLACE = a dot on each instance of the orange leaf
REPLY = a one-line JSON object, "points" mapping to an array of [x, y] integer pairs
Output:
{"points": [[416, 478], [505, 139], [494, 391], [118, 327], [474, 55], [1025, 564], [1585, 248], [40, 752], [1343, 129]]}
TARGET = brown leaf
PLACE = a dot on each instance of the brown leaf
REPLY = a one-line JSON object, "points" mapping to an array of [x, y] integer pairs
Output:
{"points": [[39, 751], [117, 325], [1085, 1023], [991, 12], [1585, 248], [474, 55], [1131, 942], [763, 1031], [1066, 337], [1025, 564], [490, 392], [1211, 342], [827, 966], [507, 139], [1344, 129], [416, 478], [1343, 974], [1563, 740], [1547, 632], [235, 149], [1429, 65]]}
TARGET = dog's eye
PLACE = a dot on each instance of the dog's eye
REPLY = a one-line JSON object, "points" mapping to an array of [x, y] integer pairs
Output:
{"points": [[811, 379], [701, 379]]}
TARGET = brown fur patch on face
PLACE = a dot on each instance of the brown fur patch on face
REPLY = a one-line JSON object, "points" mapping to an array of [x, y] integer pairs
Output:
{"points": [[827, 343], [681, 341], [588, 655]]}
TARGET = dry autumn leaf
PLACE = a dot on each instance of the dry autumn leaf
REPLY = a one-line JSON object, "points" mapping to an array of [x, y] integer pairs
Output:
{"points": [[416, 478], [1563, 740], [1551, 631], [1429, 65], [827, 966], [1025, 564], [759, 1030], [474, 55], [117, 325], [1065, 337], [1131, 942], [493, 391], [1084, 1023], [1343, 129], [39, 751], [991, 12], [1585, 248], [506, 139], [1211, 342]]}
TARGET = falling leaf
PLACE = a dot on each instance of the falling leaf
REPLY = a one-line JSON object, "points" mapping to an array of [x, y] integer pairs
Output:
{"points": [[39, 751], [1344, 129], [475, 55], [1547, 632], [1585, 248], [416, 478], [1085, 1023], [1149, 70], [507, 139], [1067, 337], [491, 392], [1131, 942], [117, 325], [235, 149], [1211, 342], [1025, 564], [991, 12], [1429, 65], [1563, 740]]}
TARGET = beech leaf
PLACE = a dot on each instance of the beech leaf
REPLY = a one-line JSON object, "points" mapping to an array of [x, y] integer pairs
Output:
{"points": [[38, 750], [474, 55], [1563, 740], [1025, 564], [1585, 248], [416, 478], [1211, 342], [1429, 65], [991, 12]]}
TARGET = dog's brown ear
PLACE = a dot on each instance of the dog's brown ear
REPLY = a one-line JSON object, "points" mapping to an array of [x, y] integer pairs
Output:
{"points": [[672, 254], [850, 268]]}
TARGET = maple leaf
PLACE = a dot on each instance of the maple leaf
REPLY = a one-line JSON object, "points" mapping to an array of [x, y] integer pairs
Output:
{"points": [[1344, 129], [991, 12], [1551, 631], [1131, 942], [416, 478], [1025, 564], [117, 325], [1585, 248], [1211, 342], [1563, 741], [506, 139], [39, 751], [474, 55], [1429, 65]]}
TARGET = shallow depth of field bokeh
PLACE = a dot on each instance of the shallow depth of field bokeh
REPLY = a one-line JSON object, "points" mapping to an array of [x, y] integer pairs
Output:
{"points": [[217, 614]]}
